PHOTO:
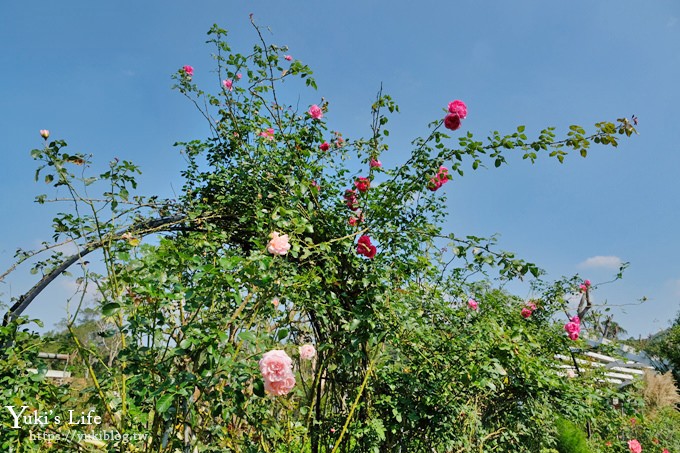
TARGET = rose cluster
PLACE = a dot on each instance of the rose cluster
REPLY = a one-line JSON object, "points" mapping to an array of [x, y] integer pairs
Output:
{"points": [[277, 371], [528, 309], [441, 178], [573, 328], [457, 112], [364, 247]]}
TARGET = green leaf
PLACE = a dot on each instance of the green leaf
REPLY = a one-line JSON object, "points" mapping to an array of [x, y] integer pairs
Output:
{"points": [[110, 308], [164, 403]]}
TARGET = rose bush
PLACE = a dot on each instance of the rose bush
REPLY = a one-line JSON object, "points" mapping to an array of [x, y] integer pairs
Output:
{"points": [[264, 252]]}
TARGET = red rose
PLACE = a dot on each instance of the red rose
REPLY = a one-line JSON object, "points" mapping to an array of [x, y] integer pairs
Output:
{"points": [[362, 184], [364, 247], [452, 121]]}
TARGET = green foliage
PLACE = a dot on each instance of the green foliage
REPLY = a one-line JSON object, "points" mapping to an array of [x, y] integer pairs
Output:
{"points": [[402, 361], [570, 438]]}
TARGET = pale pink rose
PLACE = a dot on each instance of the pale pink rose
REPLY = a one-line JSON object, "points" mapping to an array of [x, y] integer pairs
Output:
{"points": [[458, 108], [375, 163], [44, 133], [315, 112], [275, 302], [634, 446], [277, 371], [307, 352], [473, 304], [188, 70], [287, 58], [571, 374], [278, 244], [238, 76], [228, 84], [275, 364], [280, 388]]}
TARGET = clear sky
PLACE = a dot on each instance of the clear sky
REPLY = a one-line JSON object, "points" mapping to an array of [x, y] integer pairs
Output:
{"points": [[98, 76]]}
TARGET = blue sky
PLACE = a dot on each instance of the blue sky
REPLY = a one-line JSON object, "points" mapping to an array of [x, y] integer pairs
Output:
{"points": [[98, 76]]}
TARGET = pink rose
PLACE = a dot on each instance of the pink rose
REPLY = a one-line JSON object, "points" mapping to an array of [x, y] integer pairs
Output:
{"points": [[44, 133], [339, 142], [287, 58], [268, 134], [362, 184], [634, 446], [280, 388], [526, 312], [188, 70], [275, 302], [238, 76], [351, 199], [583, 288], [452, 121], [315, 185], [587, 282], [307, 352], [573, 336], [473, 304], [439, 179], [353, 221], [375, 163], [324, 146], [275, 365], [364, 247], [315, 112], [228, 84], [277, 371], [278, 244], [458, 108]]}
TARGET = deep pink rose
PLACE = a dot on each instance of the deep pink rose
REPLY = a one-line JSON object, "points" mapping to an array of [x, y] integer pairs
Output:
{"points": [[325, 146], [452, 121], [587, 282], [287, 58], [458, 108], [473, 304], [351, 199], [228, 84], [315, 112], [573, 336], [362, 184], [188, 70], [364, 247], [634, 446], [526, 312], [439, 179], [278, 244]]}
